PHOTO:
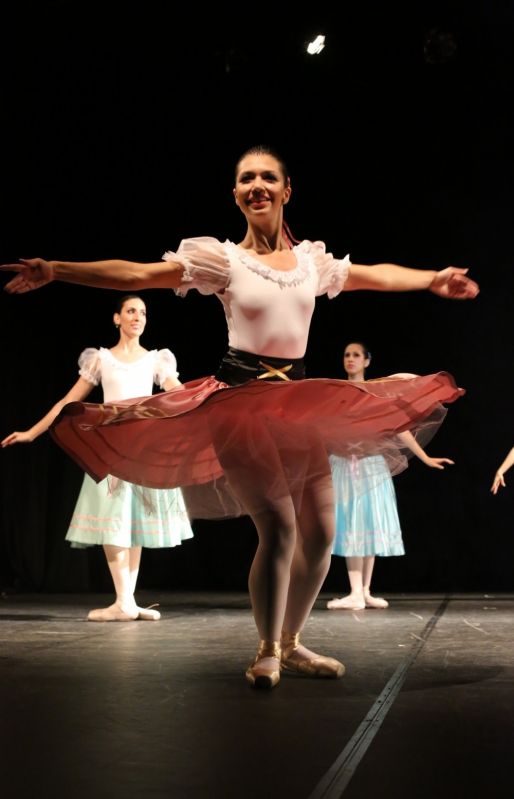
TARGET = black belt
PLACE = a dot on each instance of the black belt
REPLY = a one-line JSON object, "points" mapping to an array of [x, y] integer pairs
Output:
{"points": [[238, 366]]}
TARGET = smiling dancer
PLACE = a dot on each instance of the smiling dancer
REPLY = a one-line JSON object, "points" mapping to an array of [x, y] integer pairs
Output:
{"points": [[256, 435]]}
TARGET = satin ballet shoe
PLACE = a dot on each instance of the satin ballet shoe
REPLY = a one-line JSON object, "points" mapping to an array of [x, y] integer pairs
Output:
{"points": [[318, 666], [112, 613], [148, 614], [261, 676], [345, 603], [375, 602]]}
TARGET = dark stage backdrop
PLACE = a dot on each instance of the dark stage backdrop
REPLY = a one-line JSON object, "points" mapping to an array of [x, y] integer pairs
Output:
{"points": [[119, 138]]}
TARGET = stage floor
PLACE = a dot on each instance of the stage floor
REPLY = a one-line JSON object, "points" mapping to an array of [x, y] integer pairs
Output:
{"points": [[144, 710]]}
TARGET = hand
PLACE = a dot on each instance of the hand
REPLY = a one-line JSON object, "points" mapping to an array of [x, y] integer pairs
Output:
{"points": [[438, 463], [452, 283], [33, 273], [497, 482], [24, 437]]}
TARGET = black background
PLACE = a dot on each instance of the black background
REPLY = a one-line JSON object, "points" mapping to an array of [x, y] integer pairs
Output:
{"points": [[121, 125]]}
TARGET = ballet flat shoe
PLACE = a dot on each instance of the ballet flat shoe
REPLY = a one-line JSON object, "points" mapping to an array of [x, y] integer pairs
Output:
{"points": [[148, 614], [376, 602], [345, 604], [319, 666], [264, 677], [112, 613]]}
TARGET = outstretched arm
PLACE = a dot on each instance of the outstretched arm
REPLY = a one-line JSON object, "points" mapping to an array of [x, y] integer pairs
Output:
{"points": [[34, 273], [435, 463], [79, 392], [451, 283], [498, 477]]}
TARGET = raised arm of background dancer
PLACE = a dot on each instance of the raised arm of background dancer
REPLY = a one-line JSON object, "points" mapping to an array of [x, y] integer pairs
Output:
{"points": [[450, 283], [498, 477], [78, 392], [33, 273], [409, 441]]}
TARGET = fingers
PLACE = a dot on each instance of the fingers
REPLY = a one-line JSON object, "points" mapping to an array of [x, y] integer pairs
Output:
{"points": [[11, 439], [12, 267]]}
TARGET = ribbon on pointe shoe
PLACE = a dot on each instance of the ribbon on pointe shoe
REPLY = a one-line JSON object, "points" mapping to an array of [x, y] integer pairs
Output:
{"points": [[318, 666], [263, 676]]}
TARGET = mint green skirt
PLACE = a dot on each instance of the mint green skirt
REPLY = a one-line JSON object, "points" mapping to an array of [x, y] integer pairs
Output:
{"points": [[112, 512]]}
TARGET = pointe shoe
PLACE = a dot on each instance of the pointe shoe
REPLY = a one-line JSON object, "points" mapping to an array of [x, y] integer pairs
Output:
{"points": [[112, 613], [318, 666], [345, 603], [148, 614], [375, 602], [261, 676]]}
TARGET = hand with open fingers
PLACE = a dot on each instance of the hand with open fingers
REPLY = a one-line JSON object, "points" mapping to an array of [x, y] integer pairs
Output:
{"points": [[18, 437], [439, 463], [453, 283], [498, 481], [32, 274]]}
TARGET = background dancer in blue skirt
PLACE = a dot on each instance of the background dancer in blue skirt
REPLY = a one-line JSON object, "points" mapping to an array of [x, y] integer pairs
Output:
{"points": [[367, 523]]}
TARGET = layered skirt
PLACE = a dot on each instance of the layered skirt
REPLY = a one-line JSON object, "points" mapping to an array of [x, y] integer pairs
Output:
{"points": [[238, 449], [366, 515], [113, 512]]}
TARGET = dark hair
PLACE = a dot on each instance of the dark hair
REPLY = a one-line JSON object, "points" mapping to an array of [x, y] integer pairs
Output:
{"points": [[264, 149], [126, 297], [365, 350]]}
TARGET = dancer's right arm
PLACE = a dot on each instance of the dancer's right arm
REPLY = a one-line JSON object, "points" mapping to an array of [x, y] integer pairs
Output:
{"points": [[33, 273], [78, 392], [498, 477]]}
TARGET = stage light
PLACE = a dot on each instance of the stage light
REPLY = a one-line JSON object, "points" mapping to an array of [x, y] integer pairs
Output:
{"points": [[316, 46]]}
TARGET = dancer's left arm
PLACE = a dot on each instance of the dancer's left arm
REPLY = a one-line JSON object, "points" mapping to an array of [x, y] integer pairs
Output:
{"points": [[450, 283], [409, 441], [498, 477]]}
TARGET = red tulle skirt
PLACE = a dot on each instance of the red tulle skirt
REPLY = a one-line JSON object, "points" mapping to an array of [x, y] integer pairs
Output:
{"points": [[240, 449]]}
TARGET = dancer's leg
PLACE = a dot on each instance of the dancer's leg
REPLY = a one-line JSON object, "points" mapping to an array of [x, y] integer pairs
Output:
{"points": [[355, 599], [311, 561], [367, 572], [144, 614], [124, 608]]}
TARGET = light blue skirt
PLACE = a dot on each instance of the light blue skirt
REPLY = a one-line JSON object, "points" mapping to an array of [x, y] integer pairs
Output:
{"points": [[118, 517], [367, 520]]}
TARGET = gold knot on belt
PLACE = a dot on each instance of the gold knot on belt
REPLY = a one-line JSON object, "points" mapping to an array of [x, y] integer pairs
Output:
{"points": [[272, 372]]}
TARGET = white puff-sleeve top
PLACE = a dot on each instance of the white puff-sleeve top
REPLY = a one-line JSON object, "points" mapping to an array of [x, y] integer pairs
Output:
{"points": [[268, 311], [122, 380]]}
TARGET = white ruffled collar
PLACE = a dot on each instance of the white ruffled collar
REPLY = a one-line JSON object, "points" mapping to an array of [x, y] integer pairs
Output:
{"points": [[289, 277]]}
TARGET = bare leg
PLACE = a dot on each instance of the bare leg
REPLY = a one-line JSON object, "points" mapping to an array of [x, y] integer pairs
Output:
{"points": [[124, 608]]}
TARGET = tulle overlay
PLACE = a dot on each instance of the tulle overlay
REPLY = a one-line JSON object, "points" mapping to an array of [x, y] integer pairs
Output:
{"points": [[367, 522], [236, 449]]}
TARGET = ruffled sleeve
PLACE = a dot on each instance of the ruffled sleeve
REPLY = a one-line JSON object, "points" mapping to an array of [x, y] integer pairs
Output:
{"points": [[165, 367], [332, 272], [206, 265], [90, 367]]}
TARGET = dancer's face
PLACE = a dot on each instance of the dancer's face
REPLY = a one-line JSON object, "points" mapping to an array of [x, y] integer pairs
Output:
{"points": [[355, 362], [260, 189], [132, 318]]}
